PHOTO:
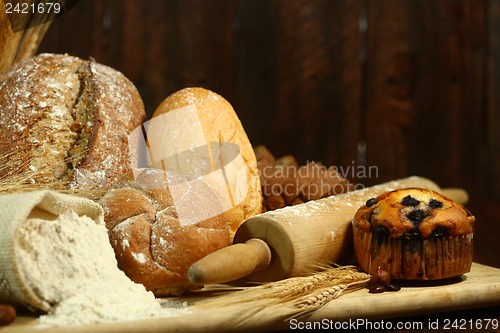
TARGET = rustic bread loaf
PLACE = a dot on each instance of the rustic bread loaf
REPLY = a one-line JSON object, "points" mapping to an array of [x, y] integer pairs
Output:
{"points": [[152, 245], [65, 120], [177, 211]]}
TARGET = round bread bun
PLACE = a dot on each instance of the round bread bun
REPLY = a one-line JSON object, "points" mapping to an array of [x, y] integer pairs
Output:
{"points": [[65, 120], [414, 234], [195, 182], [154, 246]]}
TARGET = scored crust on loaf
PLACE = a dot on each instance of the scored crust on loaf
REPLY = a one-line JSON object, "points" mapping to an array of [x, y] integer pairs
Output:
{"points": [[169, 217], [66, 120], [151, 244]]}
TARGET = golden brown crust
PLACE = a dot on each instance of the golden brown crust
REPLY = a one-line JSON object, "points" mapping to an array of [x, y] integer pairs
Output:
{"points": [[125, 203], [153, 245], [220, 124], [414, 234], [32, 106], [117, 110], [66, 120], [406, 212], [156, 222]]}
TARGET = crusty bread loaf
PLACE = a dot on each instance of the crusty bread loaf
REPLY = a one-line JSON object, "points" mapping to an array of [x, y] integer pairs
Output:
{"points": [[175, 211], [219, 125], [152, 245], [66, 120]]}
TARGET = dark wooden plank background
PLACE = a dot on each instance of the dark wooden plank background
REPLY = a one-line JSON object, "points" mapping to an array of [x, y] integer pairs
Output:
{"points": [[406, 86]]}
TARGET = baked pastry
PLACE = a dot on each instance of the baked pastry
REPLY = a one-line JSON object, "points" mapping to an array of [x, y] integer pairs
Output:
{"points": [[195, 133], [65, 120], [176, 210], [285, 183], [152, 245], [414, 234]]}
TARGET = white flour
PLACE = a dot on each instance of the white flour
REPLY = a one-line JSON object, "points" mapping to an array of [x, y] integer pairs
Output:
{"points": [[69, 263]]}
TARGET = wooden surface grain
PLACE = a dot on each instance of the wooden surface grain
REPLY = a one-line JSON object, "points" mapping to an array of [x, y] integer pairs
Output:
{"points": [[406, 87], [474, 290]]}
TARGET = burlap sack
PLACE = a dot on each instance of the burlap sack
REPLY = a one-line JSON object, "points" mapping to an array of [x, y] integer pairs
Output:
{"points": [[18, 208]]}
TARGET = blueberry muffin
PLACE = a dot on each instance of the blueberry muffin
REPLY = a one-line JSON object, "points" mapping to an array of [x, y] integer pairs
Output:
{"points": [[414, 234]]}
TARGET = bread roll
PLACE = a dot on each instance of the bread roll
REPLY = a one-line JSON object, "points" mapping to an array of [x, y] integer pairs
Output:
{"points": [[152, 245], [177, 211], [209, 124], [66, 120]]}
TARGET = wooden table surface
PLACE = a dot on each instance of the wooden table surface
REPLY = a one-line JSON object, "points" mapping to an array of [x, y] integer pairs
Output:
{"points": [[487, 247], [487, 252]]}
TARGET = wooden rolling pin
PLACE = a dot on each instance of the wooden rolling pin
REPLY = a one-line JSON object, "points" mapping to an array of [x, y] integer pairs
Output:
{"points": [[294, 240]]}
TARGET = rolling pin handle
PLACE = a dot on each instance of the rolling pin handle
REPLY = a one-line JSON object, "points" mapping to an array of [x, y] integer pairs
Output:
{"points": [[231, 263], [262, 253]]}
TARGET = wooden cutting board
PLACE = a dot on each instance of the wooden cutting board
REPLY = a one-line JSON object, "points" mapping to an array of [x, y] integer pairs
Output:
{"points": [[479, 288]]}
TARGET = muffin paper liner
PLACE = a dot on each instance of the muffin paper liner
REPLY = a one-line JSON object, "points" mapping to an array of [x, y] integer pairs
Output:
{"points": [[415, 259]]}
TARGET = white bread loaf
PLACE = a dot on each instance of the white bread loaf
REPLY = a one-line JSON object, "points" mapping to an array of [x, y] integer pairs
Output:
{"points": [[65, 120], [219, 125], [176, 211]]}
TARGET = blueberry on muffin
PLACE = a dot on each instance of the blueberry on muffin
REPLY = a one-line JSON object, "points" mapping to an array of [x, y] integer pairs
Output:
{"points": [[414, 234]]}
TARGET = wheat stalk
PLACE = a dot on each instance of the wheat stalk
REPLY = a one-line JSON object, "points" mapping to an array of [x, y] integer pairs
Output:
{"points": [[292, 297], [18, 178], [320, 297], [307, 304]]}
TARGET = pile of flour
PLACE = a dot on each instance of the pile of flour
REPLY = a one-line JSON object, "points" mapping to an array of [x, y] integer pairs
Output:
{"points": [[68, 262]]}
